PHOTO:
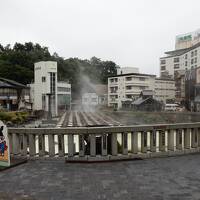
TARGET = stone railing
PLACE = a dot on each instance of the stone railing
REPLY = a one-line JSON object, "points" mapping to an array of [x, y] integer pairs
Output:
{"points": [[106, 143]]}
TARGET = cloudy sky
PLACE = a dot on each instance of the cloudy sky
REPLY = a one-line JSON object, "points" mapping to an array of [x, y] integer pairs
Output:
{"points": [[133, 33]]}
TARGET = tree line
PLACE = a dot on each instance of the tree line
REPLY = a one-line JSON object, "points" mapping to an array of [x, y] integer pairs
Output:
{"points": [[17, 63]]}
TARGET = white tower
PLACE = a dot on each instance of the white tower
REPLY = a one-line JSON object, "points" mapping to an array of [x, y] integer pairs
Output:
{"points": [[45, 86]]}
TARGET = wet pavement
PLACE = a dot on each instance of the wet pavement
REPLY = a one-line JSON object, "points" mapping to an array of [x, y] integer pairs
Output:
{"points": [[174, 178]]}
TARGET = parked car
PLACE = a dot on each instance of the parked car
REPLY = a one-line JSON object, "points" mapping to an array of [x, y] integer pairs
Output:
{"points": [[172, 107]]}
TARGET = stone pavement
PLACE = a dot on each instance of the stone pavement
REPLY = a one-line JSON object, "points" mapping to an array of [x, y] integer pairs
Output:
{"points": [[174, 178]]}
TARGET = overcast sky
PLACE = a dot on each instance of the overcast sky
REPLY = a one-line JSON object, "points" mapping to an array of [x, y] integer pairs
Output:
{"points": [[133, 33]]}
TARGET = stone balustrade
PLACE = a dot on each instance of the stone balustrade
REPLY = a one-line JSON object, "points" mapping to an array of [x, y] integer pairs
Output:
{"points": [[106, 143]]}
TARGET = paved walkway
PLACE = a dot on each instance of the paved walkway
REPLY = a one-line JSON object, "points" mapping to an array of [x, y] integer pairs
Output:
{"points": [[175, 178]]}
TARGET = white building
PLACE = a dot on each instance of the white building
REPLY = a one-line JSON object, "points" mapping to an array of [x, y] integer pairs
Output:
{"points": [[127, 87], [127, 70], [185, 56], [187, 40], [95, 96], [46, 88], [164, 89], [64, 95], [89, 99]]}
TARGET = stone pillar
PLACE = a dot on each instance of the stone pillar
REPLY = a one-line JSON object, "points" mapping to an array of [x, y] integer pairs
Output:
{"points": [[81, 146], [153, 135], [16, 144], [104, 145], [24, 149], [134, 142], [162, 140], [52, 145], [179, 139], [194, 133], [41, 143], [70, 145], [114, 144], [61, 146], [171, 140], [32, 150], [125, 143], [143, 141], [92, 145], [187, 138]]}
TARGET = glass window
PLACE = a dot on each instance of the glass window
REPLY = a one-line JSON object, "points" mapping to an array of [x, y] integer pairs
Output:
{"points": [[185, 63], [128, 78], [176, 60], [176, 66], [129, 87], [43, 79], [186, 56], [163, 67], [141, 78], [163, 62]]}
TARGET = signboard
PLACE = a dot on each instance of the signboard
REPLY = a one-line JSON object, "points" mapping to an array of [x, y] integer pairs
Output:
{"points": [[187, 40], [4, 146]]}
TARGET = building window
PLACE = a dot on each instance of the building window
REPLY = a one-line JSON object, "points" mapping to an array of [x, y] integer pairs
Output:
{"points": [[186, 56], [185, 63], [192, 61], [43, 79], [43, 102], [64, 89], [94, 100], [195, 60], [163, 68], [116, 79], [176, 60], [141, 78], [163, 62], [128, 78], [142, 87], [192, 53], [52, 82], [129, 87], [176, 66], [129, 96]]}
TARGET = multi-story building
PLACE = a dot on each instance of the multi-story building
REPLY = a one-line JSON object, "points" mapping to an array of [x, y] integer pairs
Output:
{"points": [[128, 87], [46, 92], [164, 89], [179, 78], [187, 40], [12, 94], [64, 95], [97, 95], [125, 87], [185, 56], [192, 89]]}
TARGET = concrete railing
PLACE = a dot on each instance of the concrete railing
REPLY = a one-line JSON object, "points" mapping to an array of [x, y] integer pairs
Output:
{"points": [[106, 143]]}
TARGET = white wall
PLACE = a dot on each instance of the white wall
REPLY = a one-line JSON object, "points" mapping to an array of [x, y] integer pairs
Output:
{"points": [[43, 69], [90, 99], [127, 70]]}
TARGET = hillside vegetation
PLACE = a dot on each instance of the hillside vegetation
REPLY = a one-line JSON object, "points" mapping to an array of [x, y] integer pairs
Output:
{"points": [[17, 63]]}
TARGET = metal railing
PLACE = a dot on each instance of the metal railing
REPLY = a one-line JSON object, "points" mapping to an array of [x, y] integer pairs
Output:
{"points": [[106, 143]]}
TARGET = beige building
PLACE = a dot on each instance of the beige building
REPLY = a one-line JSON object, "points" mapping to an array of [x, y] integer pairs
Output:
{"points": [[185, 56], [127, 87], [164, 89]]}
